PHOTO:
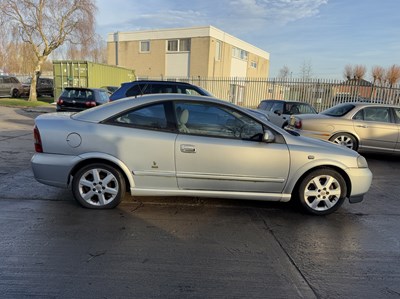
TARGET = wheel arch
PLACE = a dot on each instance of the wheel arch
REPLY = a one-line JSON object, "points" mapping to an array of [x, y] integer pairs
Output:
{"points": [[129, 182], [332, 167]]}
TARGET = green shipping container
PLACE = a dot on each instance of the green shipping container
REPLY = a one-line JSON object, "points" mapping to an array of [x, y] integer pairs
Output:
{"points": [[74, 73]]}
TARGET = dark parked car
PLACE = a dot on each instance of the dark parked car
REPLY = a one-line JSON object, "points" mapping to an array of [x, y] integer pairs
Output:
{"points": [[44, 87], [142, 87], [81, 98], [279, 111]]}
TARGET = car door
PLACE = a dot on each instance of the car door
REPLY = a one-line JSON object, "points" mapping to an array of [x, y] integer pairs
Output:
{"points": [[276, 115], [146, 144], [219, 148], [376, 128], [3, 90]]}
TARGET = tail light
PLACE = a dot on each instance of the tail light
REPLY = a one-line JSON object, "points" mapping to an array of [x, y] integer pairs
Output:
{"points": [[90, 104], [38, 140], [60, 101], [298, 124]]}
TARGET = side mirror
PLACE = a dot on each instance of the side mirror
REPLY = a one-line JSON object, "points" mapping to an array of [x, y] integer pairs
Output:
{"points": [[279, 112], [268, 136]]}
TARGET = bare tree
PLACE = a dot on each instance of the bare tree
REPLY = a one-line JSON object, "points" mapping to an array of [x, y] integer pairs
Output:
{"points": [[359, 71], [284, 72], [393, 75], [45, 25], [306, 70], [378, 74], [348, 72]]}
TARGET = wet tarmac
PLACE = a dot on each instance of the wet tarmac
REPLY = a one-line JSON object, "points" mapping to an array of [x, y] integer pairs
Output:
{"points": [[188, 247]]}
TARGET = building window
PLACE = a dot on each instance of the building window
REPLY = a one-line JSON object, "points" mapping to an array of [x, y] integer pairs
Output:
{"points": [[253, 64], [184, 45], [218, 50], [173, 45], [239, 53], [145, 46], [178, 45]]}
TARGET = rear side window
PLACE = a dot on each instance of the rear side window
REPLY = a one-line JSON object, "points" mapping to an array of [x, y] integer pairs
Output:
{"points": [[151, 117], [136, 90], [187, 90], [266, 105]]}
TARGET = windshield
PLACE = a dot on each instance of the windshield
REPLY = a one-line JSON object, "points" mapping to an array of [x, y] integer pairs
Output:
{"points": [[338, 110]]}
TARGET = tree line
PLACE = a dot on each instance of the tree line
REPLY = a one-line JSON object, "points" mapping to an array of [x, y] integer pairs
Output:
{"points": [[32, 30]]}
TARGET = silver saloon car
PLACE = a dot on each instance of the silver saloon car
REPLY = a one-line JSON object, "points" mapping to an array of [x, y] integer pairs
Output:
{"points": [[358, 126], [180, 145]]}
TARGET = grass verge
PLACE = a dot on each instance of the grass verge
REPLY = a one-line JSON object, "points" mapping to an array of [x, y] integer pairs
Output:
{"points": [[23, 102]]}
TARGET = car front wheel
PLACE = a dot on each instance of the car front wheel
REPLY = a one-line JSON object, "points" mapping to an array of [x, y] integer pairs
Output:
{"points": [[98, 186], [346, 140], [322, 191]]}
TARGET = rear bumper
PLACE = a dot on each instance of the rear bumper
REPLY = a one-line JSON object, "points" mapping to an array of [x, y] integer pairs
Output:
{"points": [[53, 170]]}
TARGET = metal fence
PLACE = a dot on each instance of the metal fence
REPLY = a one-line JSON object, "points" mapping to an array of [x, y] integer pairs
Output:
{"points": [[322, 94]]}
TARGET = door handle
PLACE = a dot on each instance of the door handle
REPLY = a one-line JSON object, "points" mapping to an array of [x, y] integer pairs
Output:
{"points": [[188, 148], [362, 126]]}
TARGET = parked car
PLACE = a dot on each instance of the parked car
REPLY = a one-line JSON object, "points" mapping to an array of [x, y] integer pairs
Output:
{"points": [[279, 111], [180, 145], [81, 98], [44, 86], [10, 86], [142, 87], [358, 126], [110, 89]]}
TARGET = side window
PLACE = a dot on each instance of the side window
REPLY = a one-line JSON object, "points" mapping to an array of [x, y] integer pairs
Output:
{"points": [[160, 88], [187, 90], [150, 117], [136, 90], [397, 114], [266, 105], [359, 115], [377, 114], [216, 121], [277, 106]]}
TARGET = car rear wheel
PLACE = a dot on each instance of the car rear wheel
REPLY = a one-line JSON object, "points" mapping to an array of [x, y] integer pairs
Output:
{"points": [[322, 191], [98, 186], [346, 140], [15, 93]]}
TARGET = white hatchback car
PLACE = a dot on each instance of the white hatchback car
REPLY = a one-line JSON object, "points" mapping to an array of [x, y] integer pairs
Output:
{"points": [[179, 145]]}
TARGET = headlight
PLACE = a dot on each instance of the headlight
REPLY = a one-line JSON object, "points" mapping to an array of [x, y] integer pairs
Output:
{"points": [[362, 162]]}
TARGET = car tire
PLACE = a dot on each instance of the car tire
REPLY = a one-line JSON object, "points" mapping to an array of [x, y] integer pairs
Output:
{"points": [[98, 186], [322, 191], [346, 140], [15, 93]]}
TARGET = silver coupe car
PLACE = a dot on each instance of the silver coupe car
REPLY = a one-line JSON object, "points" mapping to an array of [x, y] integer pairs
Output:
{"points": [[358, 126], [180, 145]]}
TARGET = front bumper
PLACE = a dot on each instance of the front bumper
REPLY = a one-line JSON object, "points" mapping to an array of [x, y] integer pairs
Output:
{"points": [[361, 179]]}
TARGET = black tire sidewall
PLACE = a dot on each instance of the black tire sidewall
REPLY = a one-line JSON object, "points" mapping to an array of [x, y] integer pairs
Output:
{"points": [[114, 171], [319, 172]]}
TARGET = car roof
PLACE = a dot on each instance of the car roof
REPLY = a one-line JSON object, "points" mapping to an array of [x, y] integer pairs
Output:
{"points": [[107, 110], [83, 88], [285, 101], [158, 82], [363, 104]]}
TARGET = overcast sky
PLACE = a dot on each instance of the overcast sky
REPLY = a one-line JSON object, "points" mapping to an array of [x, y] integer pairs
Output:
{"points": [[325, 34]]}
